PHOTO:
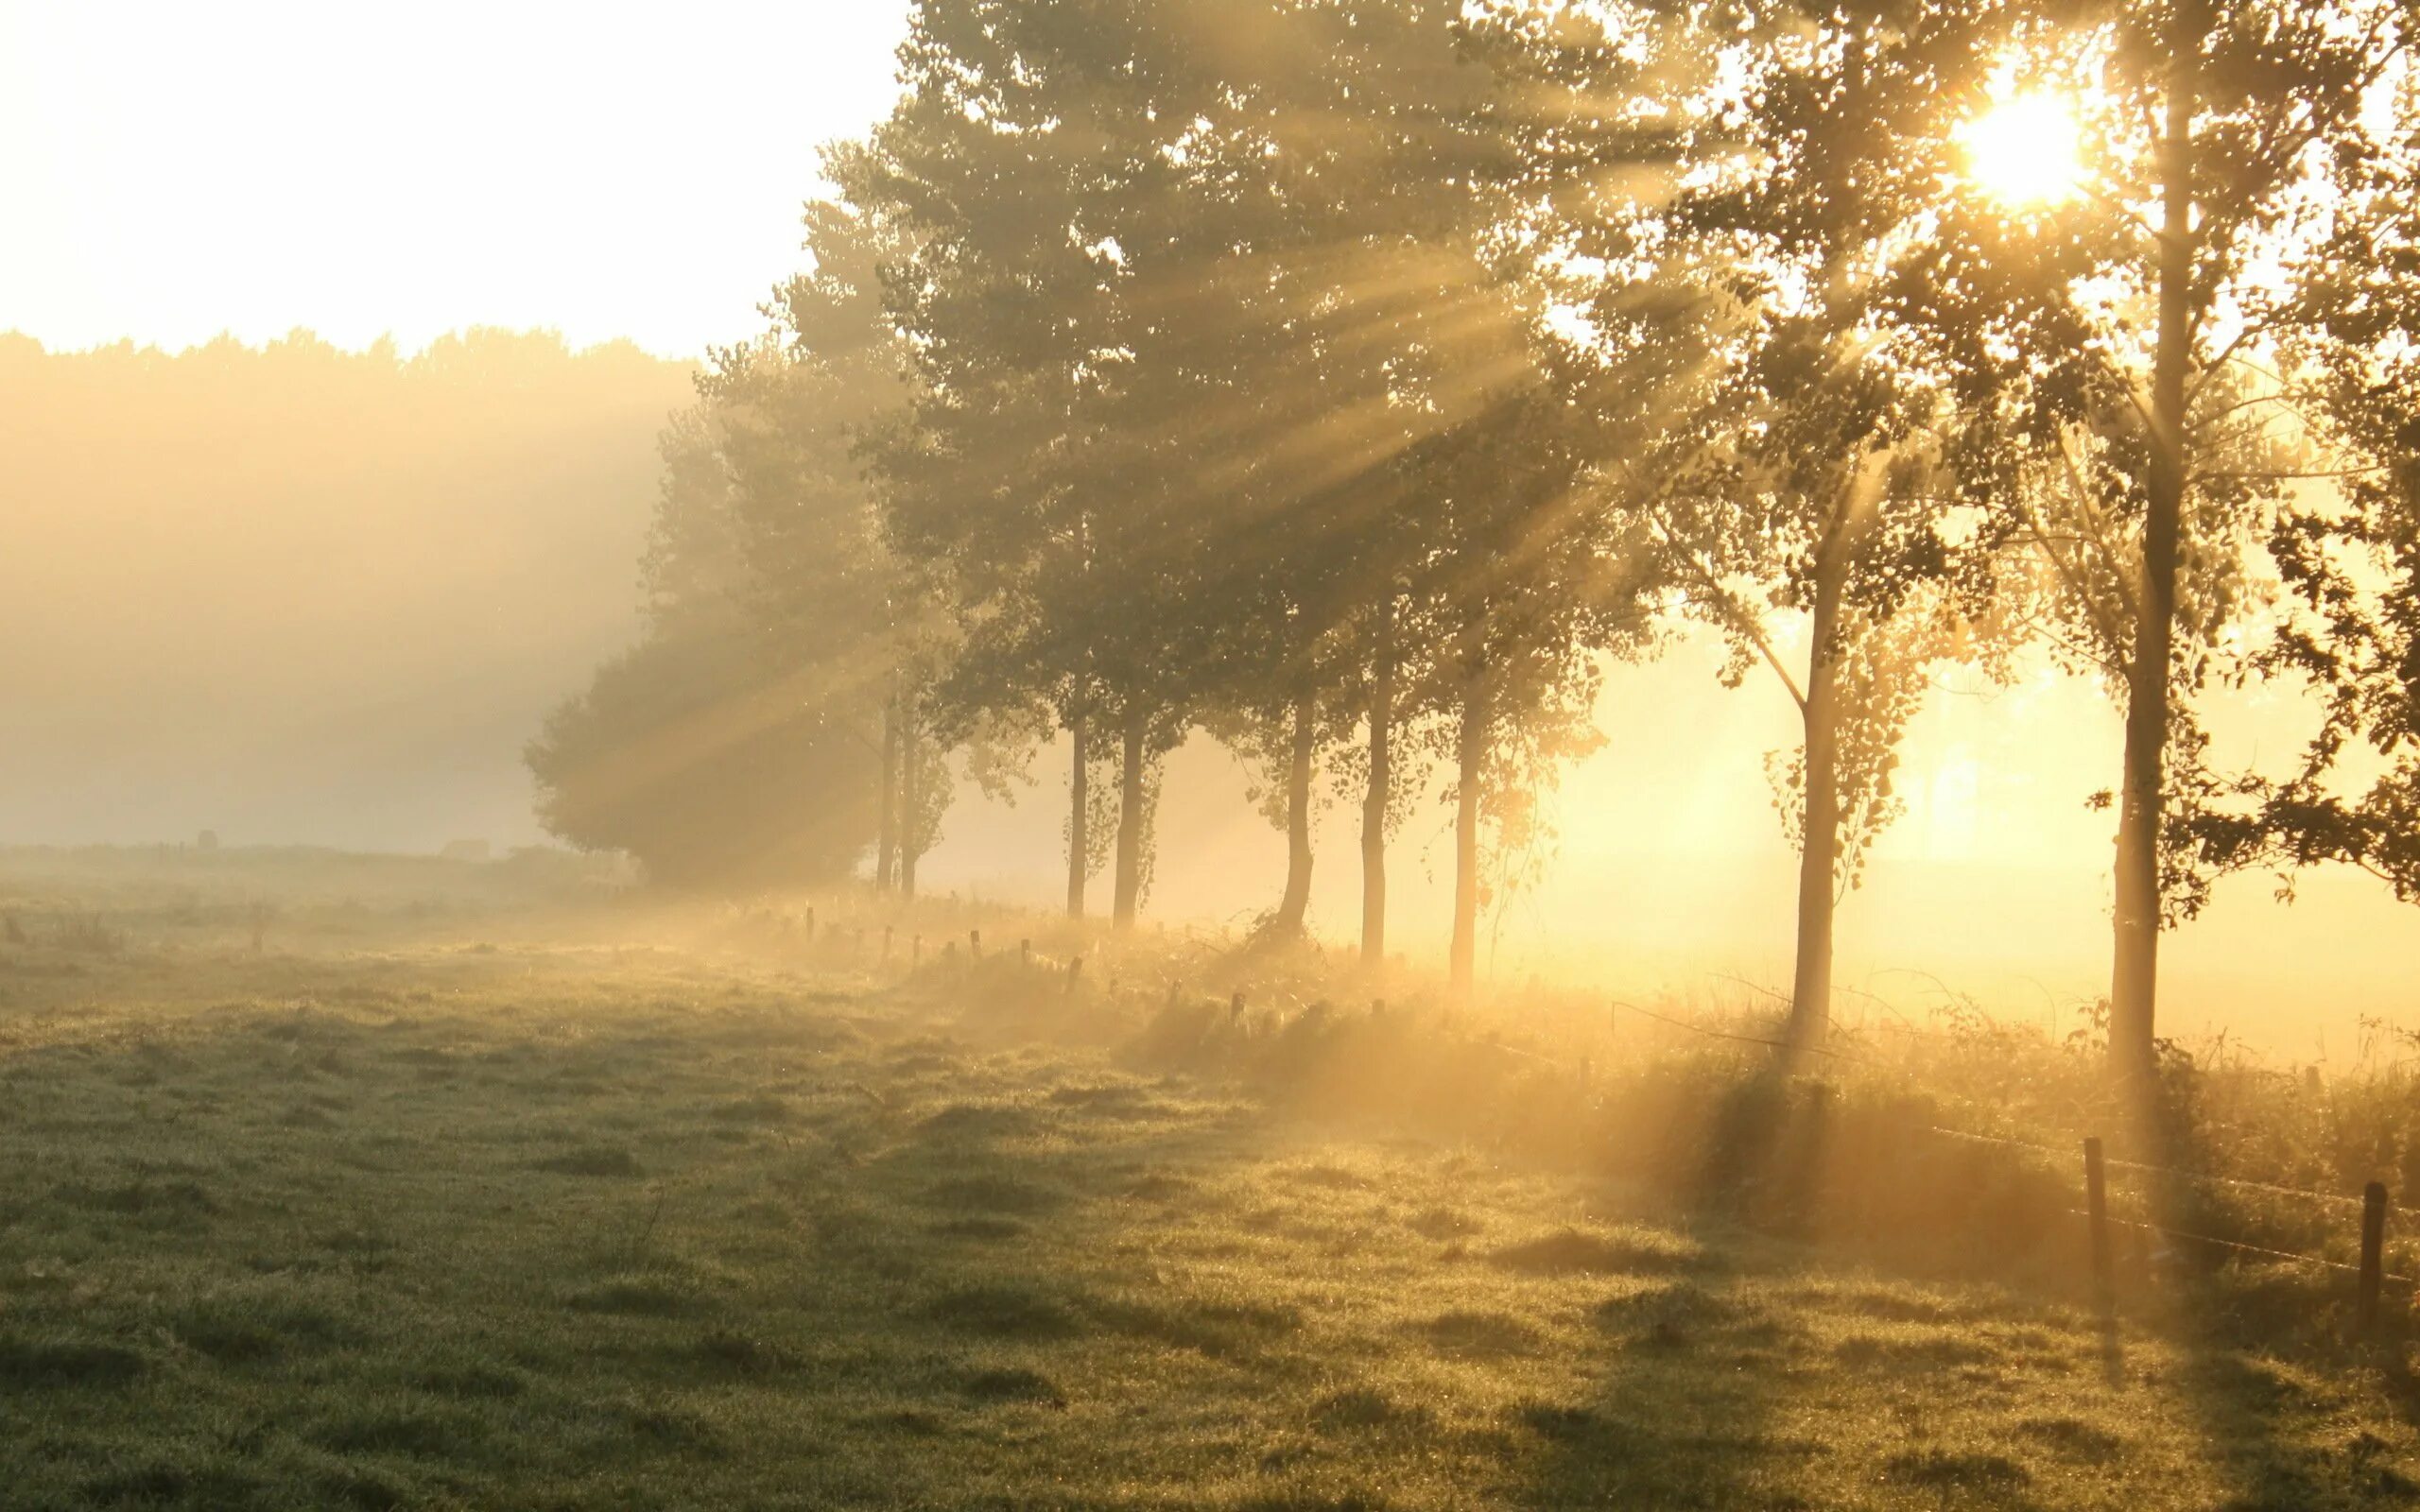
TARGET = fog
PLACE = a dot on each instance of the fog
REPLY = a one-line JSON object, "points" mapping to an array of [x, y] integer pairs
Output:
{"points": [[299, 594], [1670, 873]]}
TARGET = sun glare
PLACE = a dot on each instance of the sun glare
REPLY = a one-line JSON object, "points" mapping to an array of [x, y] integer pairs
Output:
{"points": [[2025, 150]]}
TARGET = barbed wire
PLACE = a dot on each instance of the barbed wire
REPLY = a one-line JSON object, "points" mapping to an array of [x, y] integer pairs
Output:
{"points": [[2249, 1250], [2157, 1170]]}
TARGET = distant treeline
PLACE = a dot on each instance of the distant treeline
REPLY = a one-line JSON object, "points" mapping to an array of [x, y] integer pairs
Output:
{"points": [[1353, 378], [297, 592]]}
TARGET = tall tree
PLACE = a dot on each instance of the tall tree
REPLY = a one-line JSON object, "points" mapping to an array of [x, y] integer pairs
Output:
{"points": [[795, 410], [715, 753], [2151, 334], [1026, 159], [1732, 253]]}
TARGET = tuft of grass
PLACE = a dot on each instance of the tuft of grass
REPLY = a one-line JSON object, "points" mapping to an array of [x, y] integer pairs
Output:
{"points": [[728, 1350], [1218, 1329], [1364, 1407], [406, 1428], [2073, 1438], [997, 1194], [147, 1201], [50, 1363], [1480, 1334], [1569, 1251], [980, 1226], [1939, 1469], [1003, 1311], [1013, 1383], [594, 1161], [635, 1295]]}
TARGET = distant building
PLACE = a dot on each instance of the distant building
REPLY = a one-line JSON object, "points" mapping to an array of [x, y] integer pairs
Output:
{"points": [[207, 840], [464, 850]]}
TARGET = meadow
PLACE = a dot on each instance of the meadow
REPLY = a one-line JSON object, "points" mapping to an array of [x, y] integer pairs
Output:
{"points": [[496, 1186]]}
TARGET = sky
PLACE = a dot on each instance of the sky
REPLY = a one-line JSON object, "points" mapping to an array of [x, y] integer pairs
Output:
{"points": [[171, 170]]}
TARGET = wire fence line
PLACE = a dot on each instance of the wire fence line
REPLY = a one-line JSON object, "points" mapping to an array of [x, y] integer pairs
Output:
{"points": [[2249, 1250], [2371, 1272], [2203, 1176]]}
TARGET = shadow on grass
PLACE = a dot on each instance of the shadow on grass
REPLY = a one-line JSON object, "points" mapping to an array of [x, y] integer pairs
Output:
{"points": [[2270, 1354]]}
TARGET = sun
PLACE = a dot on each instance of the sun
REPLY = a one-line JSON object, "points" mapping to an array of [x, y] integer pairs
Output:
{"points": [[2027, 150]]}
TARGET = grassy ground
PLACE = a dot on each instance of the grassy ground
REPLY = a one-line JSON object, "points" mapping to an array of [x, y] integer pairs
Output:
{"points": [[450, 1204]]}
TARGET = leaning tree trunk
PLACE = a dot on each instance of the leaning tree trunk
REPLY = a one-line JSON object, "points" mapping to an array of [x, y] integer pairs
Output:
{"points": [[1819, 848], [1078, 843], [1470, 751], [1295, 906], [887, 834], [912, 803], [1374, 801], [2135, 968], [1130, 823]]}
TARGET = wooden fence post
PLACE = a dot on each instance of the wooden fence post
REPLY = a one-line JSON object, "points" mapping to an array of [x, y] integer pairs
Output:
{"points": [[1075, 970], [1025, 952], [886, 944], [2096, 1189], [2372, 1255], [975, 943]]}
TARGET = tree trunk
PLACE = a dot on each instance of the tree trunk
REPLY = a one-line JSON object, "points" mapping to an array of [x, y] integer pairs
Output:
{"points": [[2135, 968], [1470, 750], [887, 834], [1373, 801], [1295, 906], [1079, 797], [911, 802], [1819, 850], [1130, 823]]}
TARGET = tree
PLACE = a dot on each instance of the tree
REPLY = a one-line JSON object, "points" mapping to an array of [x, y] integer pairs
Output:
{"points": [[1028, 475], [797, 406], [1783, 452], [703, 751], [2152, 339], [2348, 556]]}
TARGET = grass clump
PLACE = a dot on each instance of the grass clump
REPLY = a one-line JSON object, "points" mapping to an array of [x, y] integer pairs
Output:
{"points": [[54, 1364], [1003, 1311], [594, 1161]]}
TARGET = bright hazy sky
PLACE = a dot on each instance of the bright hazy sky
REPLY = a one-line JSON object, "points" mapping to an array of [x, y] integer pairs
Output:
{"points": [[172, 169]]}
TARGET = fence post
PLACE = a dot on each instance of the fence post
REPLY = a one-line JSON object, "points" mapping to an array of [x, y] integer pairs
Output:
{"points": [[2096, 1189], [1074, 969], [886, 944], [2372, 1255], [975, 943], [1025, 952]]}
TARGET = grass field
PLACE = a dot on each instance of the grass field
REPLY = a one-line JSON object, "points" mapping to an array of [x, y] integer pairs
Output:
{"points": [[443, 1200]]}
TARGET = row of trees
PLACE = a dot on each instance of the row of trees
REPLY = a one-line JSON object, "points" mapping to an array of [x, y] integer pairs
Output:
{"points": [[1353, 378]]}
